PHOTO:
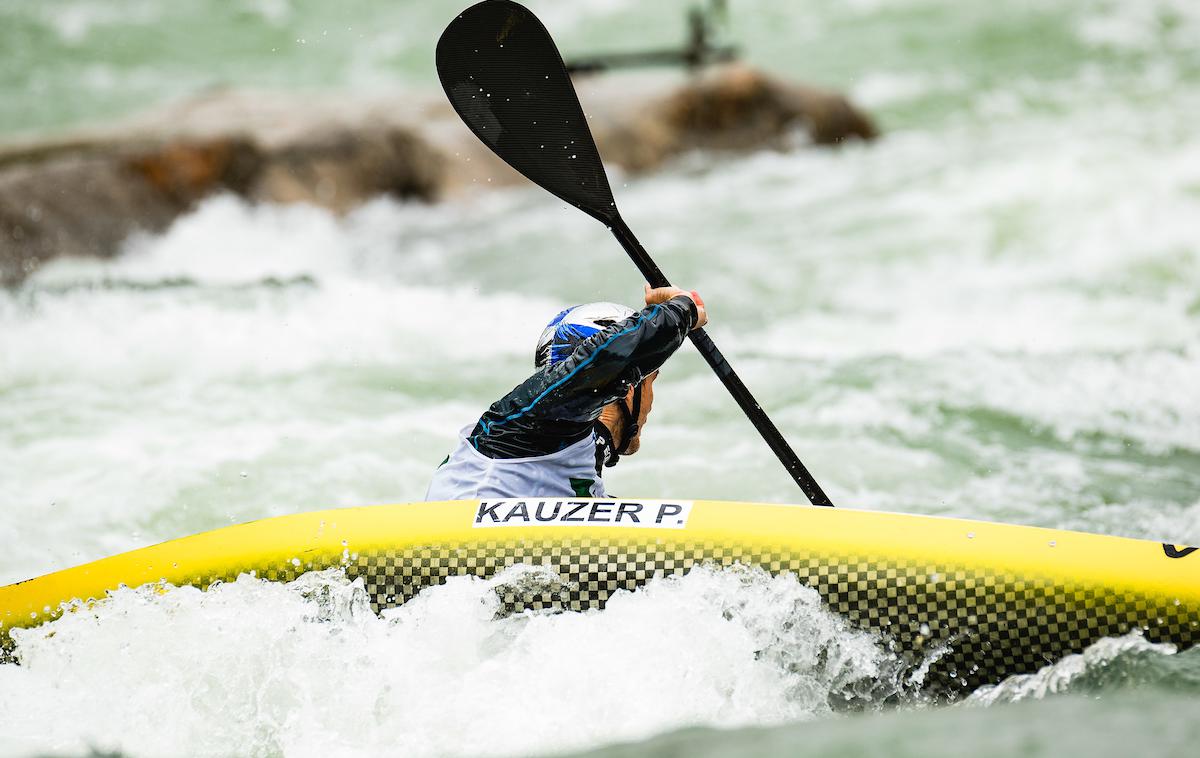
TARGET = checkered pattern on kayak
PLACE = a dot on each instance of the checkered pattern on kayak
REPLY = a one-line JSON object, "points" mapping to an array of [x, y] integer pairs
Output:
{"points": [[976, 627]]}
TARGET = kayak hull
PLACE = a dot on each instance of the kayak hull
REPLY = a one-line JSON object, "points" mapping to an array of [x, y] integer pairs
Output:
{"points": [[974, 602]]}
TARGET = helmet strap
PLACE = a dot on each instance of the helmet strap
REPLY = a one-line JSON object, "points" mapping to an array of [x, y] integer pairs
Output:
{"points": [[631, 419], [606, 449], [608, 452]]}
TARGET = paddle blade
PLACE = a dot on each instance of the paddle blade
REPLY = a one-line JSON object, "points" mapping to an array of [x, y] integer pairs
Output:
{"points": [[507, 81]]}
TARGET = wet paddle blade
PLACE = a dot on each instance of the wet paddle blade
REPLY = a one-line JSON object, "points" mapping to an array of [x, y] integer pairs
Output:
{"points": [[505, 78]]}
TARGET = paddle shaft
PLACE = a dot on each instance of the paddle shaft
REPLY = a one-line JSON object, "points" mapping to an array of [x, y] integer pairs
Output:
{"points": [[783, 451]]}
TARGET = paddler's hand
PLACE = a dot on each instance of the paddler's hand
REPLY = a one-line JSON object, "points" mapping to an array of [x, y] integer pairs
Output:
{"points": [[657, 295]]}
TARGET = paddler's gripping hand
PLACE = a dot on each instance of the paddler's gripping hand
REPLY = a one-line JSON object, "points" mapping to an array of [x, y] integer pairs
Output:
{"points": [[656, 295]]}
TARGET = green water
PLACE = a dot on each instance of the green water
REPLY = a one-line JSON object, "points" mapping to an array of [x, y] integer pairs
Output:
{"points": [[992, 312], [1138, 702], [1118, 724]]}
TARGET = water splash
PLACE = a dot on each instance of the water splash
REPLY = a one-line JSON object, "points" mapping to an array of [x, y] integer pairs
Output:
{"points": [[305, 668], [1106, 664]]}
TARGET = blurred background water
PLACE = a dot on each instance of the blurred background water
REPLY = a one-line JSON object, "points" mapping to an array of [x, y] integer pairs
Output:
{"points": [[993, 312]]}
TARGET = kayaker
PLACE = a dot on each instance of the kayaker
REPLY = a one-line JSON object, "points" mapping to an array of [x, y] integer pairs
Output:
{"points": [[584, 407]]}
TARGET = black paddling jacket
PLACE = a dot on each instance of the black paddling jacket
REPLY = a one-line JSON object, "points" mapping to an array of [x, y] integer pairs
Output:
{"points": [[542, 439], [557, 406]]}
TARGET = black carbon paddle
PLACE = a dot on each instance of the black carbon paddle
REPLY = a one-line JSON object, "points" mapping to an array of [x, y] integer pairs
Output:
{"points": [[505, 78]]}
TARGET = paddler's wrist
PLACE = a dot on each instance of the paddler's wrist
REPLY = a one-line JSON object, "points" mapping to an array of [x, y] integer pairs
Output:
{"points": [[692, 309], [694, 303]]}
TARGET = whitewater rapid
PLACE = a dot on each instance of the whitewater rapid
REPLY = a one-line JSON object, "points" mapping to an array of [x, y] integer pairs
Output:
{"points": [[991, 312], [307, 668]]}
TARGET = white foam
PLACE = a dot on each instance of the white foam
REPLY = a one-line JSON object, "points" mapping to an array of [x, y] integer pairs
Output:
{"points": [[184, 363], [880, 89], [1145, 27], [338, 309], [307, 669]]}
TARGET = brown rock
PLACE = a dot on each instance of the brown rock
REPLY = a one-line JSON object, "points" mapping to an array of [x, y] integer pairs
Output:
{"points": [[86, 198], [187, 171], [342, 169], [84, 194], [740, 107], [83, 206], [734, 108]]}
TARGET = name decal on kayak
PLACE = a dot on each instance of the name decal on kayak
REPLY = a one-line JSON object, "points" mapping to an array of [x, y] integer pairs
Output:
{"points": [[635, 514]]}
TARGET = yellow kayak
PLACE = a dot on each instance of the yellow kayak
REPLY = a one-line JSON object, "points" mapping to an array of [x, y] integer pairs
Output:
{"points": [[975, 601]]}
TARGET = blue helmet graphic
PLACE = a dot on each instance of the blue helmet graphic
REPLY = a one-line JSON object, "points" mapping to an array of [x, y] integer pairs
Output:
{"points": [[574, 325]]}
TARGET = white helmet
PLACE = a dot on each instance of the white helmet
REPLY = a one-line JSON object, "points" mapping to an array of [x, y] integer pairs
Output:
{"points": [[574, 325]]}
